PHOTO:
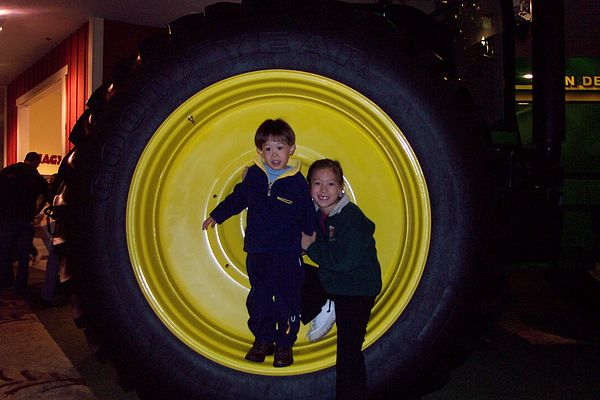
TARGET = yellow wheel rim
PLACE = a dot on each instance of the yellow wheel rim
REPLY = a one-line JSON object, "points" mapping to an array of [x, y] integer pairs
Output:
{"points": [[194, 280]]}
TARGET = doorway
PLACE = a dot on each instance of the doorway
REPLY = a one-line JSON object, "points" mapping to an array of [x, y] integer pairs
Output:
{"points": [[41, 122]]}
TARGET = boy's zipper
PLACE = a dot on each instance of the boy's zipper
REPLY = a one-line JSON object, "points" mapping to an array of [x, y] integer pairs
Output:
{"points": [[271, 183]]}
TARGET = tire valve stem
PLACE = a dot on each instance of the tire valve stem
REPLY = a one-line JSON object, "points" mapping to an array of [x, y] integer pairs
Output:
{"points": [[191, 119]]}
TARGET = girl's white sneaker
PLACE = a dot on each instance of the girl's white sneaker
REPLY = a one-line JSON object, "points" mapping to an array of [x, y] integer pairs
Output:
{"points": [[322, 323]]}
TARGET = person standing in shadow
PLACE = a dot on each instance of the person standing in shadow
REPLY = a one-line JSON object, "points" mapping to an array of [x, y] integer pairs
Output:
{"points": [[20, 186]]}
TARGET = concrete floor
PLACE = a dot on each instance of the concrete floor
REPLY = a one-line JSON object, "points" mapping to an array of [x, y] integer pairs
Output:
{"points": [[545, 344]]}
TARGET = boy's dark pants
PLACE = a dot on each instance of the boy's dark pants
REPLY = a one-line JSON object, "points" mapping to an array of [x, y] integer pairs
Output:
{"points": [[352, 314], [274, 299]]}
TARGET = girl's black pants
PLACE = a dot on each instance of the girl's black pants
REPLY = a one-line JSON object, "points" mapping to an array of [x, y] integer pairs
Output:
{"points": [[352, 314]]}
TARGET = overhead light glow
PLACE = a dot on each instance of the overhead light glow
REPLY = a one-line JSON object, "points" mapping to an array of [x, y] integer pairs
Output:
{"points": [[18, 11], [5, 12], [528, 76]]}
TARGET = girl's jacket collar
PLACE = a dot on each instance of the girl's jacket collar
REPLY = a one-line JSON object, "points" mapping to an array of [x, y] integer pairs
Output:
{"points": [[343, 202]]}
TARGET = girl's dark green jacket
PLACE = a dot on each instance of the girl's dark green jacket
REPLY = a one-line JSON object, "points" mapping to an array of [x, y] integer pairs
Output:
{"points": [[345, 252]]}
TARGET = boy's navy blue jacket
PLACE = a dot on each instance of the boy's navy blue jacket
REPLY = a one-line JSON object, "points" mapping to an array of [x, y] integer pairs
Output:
{"points": [[278, 212]]}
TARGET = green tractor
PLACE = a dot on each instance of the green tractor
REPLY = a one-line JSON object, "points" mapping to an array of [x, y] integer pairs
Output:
{"points": [[380, 87]]}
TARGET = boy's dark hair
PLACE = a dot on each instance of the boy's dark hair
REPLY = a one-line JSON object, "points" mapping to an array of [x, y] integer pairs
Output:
{"points": [[33, 157], [327, 163], [277, 129]]}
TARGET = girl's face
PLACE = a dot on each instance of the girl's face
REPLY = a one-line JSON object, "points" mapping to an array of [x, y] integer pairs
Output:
{"points": [[325, 189]]}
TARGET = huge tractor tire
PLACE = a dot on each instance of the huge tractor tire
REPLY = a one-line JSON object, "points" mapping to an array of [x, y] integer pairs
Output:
{"points": [[165, 141]]}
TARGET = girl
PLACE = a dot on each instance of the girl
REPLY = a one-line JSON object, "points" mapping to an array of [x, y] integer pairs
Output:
{"points": [[344, 249]]}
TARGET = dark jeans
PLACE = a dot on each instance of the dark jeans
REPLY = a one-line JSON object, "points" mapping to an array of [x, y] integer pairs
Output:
{"points": [[352, 314], [16, 237], [313, 294], [274, 299]]}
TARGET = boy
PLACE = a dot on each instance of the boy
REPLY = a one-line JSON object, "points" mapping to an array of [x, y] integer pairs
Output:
{"points": [[279, 210]]}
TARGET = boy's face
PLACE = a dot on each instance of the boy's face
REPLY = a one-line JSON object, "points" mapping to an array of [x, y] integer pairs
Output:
{"points": [[276, 153]]}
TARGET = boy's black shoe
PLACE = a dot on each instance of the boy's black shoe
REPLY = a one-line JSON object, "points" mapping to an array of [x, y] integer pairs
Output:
{"points": [[283, 357], [259, 351]]}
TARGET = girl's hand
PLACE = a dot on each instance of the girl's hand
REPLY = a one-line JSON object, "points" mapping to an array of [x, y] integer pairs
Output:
{"points": [[209, 222], [308, 240]]}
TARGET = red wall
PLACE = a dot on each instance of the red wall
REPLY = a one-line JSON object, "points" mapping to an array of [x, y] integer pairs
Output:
{"points": [[71, 52], [120, 41]]}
